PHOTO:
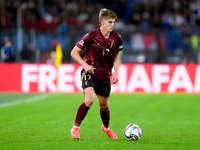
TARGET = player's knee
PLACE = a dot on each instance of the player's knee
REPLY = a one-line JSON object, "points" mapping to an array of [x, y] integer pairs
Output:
{"points": [[104, 107], [89, 102]]}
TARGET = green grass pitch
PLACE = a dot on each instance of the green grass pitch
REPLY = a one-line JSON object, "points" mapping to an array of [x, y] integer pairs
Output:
{"points": [[41, 122]]}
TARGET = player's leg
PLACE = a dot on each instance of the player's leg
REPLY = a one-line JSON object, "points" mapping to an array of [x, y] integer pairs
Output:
{"points": [[82, 111], [104, 110], [85, 106], [87, 85], [105, 116]]}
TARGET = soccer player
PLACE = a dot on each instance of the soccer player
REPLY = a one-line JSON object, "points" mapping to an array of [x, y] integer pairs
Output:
{"points": [[102, 53]]}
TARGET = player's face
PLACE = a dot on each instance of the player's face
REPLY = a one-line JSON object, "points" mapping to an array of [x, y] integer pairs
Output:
{"points": [[108, 24]]}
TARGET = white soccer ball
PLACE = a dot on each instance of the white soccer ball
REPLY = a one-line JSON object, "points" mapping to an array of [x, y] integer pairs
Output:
{"points": [[133, 132]]}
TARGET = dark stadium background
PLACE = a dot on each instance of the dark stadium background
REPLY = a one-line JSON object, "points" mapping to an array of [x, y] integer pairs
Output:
{"points": [[153, 31]]}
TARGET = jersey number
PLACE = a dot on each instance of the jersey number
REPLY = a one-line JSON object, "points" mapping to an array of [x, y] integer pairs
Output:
{"points": [[89, 77], [106, 51]]}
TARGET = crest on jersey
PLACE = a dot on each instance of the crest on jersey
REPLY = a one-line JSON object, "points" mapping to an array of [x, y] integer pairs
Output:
{"points": [[112, 43]]}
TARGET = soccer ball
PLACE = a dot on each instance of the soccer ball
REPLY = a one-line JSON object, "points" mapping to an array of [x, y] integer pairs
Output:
{"points": [[133, 132]]}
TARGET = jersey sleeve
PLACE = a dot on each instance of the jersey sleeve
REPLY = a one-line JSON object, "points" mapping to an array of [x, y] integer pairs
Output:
{"points": [[84, 40]]}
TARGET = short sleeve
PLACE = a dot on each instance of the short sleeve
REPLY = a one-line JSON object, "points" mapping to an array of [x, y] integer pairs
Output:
{"points": [[83, 42]]}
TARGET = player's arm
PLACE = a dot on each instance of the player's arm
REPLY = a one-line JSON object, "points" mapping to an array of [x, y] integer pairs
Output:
{"points": [[116, 66], [76, 56]]}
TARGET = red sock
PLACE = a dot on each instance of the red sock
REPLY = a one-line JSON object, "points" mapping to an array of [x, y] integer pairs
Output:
{"points": [[81, 113], [105, 116]]}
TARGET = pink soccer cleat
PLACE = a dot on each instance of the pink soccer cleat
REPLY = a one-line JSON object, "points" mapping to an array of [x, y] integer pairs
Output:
{"points": [[111, 134]]}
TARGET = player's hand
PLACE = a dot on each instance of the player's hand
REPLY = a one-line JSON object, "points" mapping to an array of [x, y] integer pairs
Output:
{"points": [[114, 79], [89, 69]]}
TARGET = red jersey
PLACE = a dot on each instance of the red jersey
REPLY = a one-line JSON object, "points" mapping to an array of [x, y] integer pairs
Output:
{"points": [[101, 51]]}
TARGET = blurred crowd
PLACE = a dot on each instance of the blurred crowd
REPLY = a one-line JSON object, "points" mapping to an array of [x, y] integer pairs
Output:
{"points": [[179, 18], [61, 15]]}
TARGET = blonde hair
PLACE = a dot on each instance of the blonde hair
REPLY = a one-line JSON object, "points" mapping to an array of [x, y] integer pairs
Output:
{"points": [[105, 14]]}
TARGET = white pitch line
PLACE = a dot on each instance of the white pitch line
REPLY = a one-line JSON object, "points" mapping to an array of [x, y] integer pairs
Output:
{"points": [[25, 101]]}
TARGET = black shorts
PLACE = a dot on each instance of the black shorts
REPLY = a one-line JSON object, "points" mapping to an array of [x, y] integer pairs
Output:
{"points": [[101, 86]]}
